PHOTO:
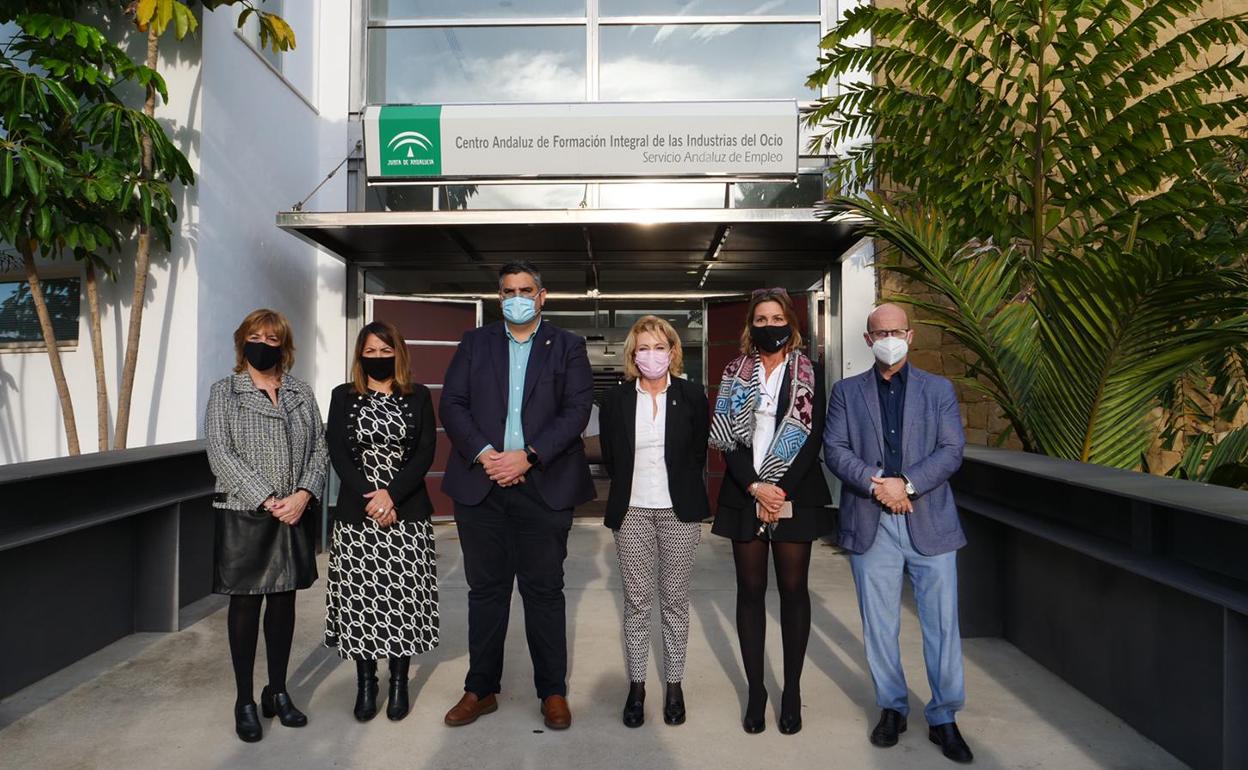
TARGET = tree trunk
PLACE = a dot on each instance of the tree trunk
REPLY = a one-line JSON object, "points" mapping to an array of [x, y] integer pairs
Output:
{"points": [[54, 353], [142, 261], [97, 353]]}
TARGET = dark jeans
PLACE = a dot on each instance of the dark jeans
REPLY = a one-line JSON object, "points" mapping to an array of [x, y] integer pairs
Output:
{"points": [[511, 536]]}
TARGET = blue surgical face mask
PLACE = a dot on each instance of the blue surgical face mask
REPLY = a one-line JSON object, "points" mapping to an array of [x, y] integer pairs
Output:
{"points": [[519, 310]]}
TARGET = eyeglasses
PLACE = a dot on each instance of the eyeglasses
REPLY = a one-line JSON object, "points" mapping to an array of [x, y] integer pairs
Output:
{"points": [[880, 334], [776, 291]]}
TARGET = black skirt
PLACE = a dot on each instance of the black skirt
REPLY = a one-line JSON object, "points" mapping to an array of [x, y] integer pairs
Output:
{"points": [[807, 525], [257, 554]]}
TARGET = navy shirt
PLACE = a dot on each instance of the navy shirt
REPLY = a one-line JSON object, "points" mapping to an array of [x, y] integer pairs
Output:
{"points": [[892, 406]]}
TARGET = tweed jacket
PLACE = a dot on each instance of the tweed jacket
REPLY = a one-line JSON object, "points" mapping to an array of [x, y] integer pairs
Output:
{"points": [[258, 450]]}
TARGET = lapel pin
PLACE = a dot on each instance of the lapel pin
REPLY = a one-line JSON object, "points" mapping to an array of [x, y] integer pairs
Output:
{"points": [[547, 342]]}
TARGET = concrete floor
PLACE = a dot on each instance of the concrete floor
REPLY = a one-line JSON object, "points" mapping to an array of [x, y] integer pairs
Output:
{"points": [[164, 700]]}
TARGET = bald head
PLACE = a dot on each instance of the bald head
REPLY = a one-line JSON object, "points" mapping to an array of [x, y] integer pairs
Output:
{"points": [[888, 316], [888, 334]]}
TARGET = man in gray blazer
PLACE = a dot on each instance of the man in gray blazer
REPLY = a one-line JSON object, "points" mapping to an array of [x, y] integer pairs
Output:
{"points": [[894, 437]]}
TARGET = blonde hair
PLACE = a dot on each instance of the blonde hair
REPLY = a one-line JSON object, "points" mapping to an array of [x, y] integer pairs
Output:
{"points": [[781, 298], [660, 328], [264, 319], [389, 334]]}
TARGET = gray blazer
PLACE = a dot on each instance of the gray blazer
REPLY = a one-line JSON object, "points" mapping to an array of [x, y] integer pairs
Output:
{"points": [[853, 447], [258, 450]]}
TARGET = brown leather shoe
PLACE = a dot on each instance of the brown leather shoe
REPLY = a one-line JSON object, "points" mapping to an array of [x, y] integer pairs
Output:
{"points": [[558, 715], [469, 708]]}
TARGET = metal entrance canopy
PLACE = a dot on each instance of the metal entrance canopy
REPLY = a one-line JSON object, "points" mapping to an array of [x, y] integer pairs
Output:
{"points": [[585, 250]]}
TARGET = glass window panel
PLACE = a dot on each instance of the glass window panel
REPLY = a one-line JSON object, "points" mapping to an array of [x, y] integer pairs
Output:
{"points": [[708, 61], [445, 65], [19, 321], [659, 195], [804, 193], [512, 196], [709, 7], [474, 9]]}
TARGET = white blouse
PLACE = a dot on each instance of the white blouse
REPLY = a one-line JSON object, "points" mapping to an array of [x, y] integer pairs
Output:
{"points": [[649, 465], [765, 410]]}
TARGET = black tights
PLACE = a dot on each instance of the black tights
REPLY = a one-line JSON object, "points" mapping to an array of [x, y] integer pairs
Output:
{"points": [[279, 631], [792, 565]]}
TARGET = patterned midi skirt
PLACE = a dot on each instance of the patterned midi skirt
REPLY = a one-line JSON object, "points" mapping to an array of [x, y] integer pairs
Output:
{"points": [[381, 600]]}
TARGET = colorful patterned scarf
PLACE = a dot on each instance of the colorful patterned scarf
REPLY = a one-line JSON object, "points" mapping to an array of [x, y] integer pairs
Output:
{"points": [[733, 423]]}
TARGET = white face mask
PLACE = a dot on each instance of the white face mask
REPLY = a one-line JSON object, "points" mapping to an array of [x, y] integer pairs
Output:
{"points": [[890, 350]]}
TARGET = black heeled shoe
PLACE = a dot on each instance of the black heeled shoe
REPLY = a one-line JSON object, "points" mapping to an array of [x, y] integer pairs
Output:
{"points": [[635, 706], [398, 705], [366, 695], [755, 712], [247, 722], [280, 705], [674, 704], [790, 720]]}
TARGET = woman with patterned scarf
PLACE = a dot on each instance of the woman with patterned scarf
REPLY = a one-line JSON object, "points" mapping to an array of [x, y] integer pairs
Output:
{"points": [[768, 424]]}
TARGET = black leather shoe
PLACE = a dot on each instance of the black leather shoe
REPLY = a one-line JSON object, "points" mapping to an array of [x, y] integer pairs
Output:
{"points": [[674, 704], [755, 712], [790, 714], [398, 705], [280, 705], [366, 694], [247, 722], [950, 741], [891, 724], [635, 706]]}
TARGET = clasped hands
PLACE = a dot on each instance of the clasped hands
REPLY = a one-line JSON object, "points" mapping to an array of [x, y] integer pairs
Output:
{"points": [[771, 499], [891, 492], [289, 509], [506, 469], [380, 508]]}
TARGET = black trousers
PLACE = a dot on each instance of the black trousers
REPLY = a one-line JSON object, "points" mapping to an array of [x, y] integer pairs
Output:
{"points": [[512, 537]]}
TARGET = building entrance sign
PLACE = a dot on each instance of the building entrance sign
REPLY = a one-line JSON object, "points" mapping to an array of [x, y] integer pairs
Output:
{"points": [[583, 140]]}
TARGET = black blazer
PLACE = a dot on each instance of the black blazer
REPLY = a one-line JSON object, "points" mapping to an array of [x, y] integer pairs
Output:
{"points": [[688, 426], [407, 489], [804, 482]]}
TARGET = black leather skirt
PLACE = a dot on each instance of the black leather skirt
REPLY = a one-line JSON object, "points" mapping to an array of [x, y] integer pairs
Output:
{"points": [[257, 554]]}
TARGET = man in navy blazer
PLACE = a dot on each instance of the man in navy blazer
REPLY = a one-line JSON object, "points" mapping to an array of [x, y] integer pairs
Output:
{"points": [[893, 437], [516, 398]]}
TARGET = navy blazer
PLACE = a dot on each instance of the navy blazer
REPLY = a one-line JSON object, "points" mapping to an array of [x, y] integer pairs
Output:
{"points": [[932, 442], [558, 396]]}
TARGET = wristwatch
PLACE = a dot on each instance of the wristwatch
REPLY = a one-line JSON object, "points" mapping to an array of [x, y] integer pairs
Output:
{"points": [[531, 456], [910, 490]]}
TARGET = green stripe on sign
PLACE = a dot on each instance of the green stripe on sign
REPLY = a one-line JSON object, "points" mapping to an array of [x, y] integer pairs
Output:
{"points": [[410, 140]]}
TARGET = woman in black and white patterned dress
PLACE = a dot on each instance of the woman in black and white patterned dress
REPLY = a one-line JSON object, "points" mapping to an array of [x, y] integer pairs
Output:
{"points": [[382, 596]]}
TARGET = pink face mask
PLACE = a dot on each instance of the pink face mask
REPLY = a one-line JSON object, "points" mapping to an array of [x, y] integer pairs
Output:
{"points": [[653, 363]]}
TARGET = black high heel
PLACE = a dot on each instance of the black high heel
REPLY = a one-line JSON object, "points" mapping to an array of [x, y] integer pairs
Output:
{"points": [[280, 705], [247, 722], [790, 720], [674, 704], [366, 695], [398, 705], [754, 721], [635, 706]]}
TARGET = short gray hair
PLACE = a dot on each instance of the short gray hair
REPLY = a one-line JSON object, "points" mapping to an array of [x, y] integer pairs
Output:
{"points": [[517, 267]]}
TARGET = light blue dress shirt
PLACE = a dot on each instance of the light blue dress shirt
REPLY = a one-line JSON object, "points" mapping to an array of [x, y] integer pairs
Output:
{"points": [[518, 364]]}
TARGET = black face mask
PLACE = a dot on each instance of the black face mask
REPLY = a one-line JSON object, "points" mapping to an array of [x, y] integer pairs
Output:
{"points": [[261, 356], [380, 369], [770, 339]]}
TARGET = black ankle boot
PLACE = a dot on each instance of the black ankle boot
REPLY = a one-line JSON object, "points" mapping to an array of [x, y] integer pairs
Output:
{"points": [[398, 705], [279, 704], [674, 704], [790, 713], [635, 706], [366, 695], [755, 713], [247, 722]]}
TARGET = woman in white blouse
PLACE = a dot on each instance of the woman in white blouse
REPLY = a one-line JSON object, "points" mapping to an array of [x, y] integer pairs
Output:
{"points": [[654, 438]]}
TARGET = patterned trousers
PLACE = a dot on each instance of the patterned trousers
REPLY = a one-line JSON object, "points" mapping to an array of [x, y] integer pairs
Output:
{"points": [[651, 541]]}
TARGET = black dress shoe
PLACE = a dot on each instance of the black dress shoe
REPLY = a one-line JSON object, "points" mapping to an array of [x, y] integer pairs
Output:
{"points": [[635, 706], [790, 713], [950, 741], [398, 705], [755, 711], [366, 693], [674, 704], [247, 722], [280, 705], [891, 724]]}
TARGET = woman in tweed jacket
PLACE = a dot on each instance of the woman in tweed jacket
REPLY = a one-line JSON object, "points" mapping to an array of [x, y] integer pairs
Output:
{"points": [[267, 450]]}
